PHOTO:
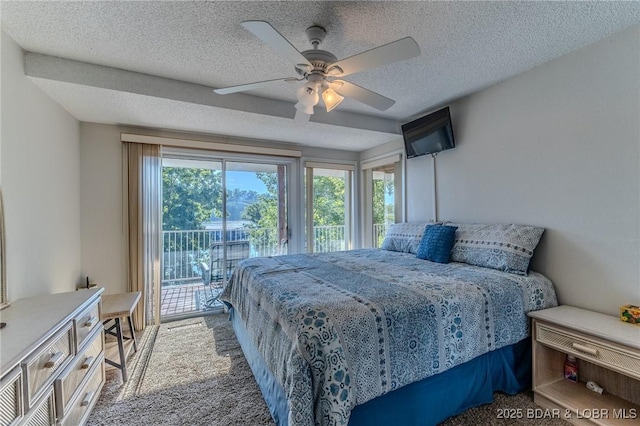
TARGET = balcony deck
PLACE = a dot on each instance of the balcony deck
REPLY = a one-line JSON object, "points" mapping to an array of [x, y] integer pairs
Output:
{"points": [[185, 299]]}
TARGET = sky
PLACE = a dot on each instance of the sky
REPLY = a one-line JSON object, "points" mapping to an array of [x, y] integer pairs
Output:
{"points": [[245, 180]]}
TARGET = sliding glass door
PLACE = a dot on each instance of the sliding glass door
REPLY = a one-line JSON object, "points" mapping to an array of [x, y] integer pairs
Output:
{"points": [[256, 211], [216, 212]]}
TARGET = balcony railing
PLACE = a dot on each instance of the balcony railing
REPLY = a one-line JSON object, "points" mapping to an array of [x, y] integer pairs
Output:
{"points": [[184, 291], [185, 251], [328, 238], [379, 231]]}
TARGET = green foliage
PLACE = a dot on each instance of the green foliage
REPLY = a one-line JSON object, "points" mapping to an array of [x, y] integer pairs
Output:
{"points": [[270, 180], [238, 200], [192, 196], [263, 212], [189, 197], [382, 212], [328, 201]]}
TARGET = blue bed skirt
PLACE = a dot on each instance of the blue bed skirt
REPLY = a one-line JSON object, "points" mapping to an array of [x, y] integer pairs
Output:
{"points": [[427, 402]]}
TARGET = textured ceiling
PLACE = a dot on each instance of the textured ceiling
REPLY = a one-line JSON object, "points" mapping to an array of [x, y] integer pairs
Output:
{"points": [[466, 46]]}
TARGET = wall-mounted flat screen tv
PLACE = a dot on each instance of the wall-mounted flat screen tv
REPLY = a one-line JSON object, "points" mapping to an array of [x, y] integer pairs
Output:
{"points": [[429, 134]]}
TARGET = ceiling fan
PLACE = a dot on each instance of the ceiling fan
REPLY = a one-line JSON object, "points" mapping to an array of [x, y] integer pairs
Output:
{"points": [[322, 72]]}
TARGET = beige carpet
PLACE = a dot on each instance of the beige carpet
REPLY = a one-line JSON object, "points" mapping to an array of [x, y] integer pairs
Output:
{"points": [[193, 372]]}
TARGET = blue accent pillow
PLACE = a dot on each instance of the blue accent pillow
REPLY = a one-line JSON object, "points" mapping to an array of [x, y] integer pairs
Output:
{"points": [[436, 243]]}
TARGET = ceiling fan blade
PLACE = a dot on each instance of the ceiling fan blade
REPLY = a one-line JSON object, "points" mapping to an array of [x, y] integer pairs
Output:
{"points": [[301, 117], [250, 86], [399, 50], [265, 32], [361, 94]]}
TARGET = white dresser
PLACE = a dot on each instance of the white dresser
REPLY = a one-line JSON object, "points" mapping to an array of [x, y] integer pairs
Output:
{"points": [[51, 359]]}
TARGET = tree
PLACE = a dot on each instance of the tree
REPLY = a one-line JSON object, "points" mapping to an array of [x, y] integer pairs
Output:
{"points": [[237, 202], [329, 210], [328, 193], [382, 212], [328, 201], [263, 215], [263, 212], [190, 197]]}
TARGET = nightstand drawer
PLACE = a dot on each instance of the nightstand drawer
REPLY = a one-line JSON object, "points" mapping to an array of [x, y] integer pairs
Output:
{"points": [[71, 378], [11, 398], [40, 368], [86, 398], [590, 349], [85, 323]]}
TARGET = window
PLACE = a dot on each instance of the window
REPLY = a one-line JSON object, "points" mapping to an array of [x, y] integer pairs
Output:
{"points": [[329, 212], [383, 201], [382, 197]]}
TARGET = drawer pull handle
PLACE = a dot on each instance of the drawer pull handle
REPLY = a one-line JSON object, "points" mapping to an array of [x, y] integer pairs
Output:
{"points": [[91, 322], [53, 360], [87, 363], [87, 399], [585, 349]]}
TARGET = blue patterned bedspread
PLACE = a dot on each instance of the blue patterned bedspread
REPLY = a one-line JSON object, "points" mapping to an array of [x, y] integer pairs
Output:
{"points": [[339, 329]]}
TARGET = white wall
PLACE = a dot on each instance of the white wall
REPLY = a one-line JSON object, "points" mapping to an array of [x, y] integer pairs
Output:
{"points": [[559, 147], [103, 239], [40, 183], [101, 195]]}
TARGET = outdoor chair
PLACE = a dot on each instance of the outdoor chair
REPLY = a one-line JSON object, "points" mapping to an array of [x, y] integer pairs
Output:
{"points": [[212, 288], [236, 251]]}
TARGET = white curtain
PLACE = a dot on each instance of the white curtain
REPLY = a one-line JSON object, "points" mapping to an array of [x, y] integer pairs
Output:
{"points": [[144, 183]]}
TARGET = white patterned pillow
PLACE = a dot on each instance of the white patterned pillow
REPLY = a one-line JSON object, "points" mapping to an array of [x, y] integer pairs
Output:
{"points": [[404, 237], [505, 247]]}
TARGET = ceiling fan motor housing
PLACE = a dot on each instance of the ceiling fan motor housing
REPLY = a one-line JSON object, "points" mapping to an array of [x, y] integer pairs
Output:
{"points": [[316, 35], [319, 59]]}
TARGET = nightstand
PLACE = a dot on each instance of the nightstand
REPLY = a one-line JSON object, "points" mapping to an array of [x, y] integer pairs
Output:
{"points": [[608, 353]]}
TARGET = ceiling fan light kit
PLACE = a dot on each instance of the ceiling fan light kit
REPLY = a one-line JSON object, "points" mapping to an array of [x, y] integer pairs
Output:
{"points": [[306, 109], [308, 97], [319, 68], [331, 99]]}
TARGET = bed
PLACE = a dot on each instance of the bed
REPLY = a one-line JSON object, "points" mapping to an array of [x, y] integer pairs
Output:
{"points": [[377, 336]]}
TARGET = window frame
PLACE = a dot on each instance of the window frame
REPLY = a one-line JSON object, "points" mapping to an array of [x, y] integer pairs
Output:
{"points": [[308, 165], [367, 166]]}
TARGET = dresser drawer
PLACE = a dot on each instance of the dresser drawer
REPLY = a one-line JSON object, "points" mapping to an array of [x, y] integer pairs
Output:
{"points": [[590, 349], [85, 399], [42, 413], [40, 368], [85, 323], [11, 398], [74, 374]]}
